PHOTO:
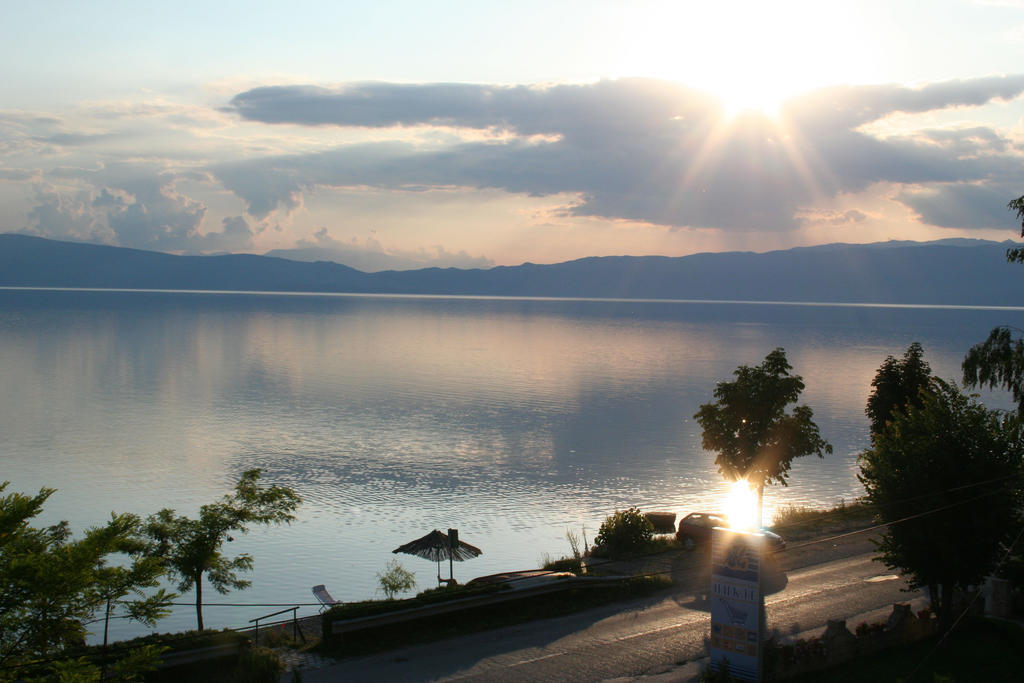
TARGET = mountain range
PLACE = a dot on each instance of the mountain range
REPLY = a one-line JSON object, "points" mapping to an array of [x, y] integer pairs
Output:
{"points": [[946, 272]]}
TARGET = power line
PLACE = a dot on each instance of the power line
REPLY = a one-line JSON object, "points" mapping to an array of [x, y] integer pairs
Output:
{"points": [[839, 513]]}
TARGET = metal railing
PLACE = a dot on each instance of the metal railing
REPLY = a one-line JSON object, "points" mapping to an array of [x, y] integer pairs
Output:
{"points": [[296, 631]]}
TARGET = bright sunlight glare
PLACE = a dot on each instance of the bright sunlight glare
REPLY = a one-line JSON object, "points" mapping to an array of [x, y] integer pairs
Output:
{"points": [[752, 55], [741, 506]]}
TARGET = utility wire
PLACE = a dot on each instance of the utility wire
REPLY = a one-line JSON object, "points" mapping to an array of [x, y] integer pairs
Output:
{"points": [[841, 513]]}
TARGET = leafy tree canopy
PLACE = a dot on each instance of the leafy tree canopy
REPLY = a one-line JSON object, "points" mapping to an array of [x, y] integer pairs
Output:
{"points": [[52, 586], [897, 384], [998, 362], [1016, 255], [958, 464], [749, 428], [192, 548]]}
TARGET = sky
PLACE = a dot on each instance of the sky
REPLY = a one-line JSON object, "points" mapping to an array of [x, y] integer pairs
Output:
{"points": [[473, 134]]}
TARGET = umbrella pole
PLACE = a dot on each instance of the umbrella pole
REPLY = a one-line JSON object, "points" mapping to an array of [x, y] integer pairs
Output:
{"points": [[451, 567]]}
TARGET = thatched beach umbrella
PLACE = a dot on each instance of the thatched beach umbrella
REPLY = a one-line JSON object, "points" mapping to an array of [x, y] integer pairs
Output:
{"points": [[437, 546]]}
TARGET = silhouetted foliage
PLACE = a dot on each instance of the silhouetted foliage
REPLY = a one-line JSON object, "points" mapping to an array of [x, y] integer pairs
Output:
{"points": [[52, 586], [627, 531], [958, 465], [1016, 255], [998, 362], [749, 428], [897, 384], [191, 548]]}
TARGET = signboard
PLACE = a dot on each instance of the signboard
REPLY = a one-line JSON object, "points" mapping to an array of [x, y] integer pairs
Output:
{"points": [[736, 601]]}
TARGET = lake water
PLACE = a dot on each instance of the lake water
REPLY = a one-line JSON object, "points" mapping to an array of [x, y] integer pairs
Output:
{"points": [[512, 420]]}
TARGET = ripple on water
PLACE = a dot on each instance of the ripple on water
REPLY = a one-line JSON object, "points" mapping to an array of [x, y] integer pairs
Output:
{"points": [[511, 421]]}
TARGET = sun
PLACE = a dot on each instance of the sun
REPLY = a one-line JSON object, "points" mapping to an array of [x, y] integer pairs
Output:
{"points": [[741, 506], [751, 55]]}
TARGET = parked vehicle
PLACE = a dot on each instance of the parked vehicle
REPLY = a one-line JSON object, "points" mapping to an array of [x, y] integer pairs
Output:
{"points": [[695, 531]]}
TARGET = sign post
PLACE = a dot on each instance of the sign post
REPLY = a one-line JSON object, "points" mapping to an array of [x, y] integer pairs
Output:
{"points": [[737, 604]]}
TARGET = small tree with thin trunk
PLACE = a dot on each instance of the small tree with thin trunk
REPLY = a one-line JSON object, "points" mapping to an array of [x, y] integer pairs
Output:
{"points": [[749, 428], [395, 579], [191, 548]]}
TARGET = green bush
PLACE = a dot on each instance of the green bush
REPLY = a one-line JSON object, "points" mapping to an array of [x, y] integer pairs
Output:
{"points": [[395, 579], [258, 665], [368, 608], [624, 533]]}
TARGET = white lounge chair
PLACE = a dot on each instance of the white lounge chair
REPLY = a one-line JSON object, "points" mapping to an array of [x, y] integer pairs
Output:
{"points": [[324, 597]]}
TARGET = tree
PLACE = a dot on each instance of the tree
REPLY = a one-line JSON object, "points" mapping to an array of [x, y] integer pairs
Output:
{"points": [[748, 426], [395, 579], [998, 362], [191, 548], [1016, 255], [51, 585], [957, 465], [897, 384]]}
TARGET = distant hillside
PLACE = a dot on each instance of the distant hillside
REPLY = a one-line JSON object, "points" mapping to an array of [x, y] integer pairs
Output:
{"points": [[35, 262], [963, 272]]}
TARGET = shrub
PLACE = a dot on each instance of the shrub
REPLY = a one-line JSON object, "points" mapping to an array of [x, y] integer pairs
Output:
{"points": [[625, 532], [259, 665], [395, 579], [865, 629]]}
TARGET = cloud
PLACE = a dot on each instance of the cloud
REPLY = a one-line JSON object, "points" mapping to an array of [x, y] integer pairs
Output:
{"points": [[528, 110], [65, 215], [150, 174], [371, 256], [852, 106], [964, 205], [819, 217], [130, 205], [75, 139], [236, 235], [156, 217], [633, 149], [18, 174]]}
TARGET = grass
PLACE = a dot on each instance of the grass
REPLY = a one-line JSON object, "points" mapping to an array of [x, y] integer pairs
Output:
{"points": [[794, 521], [478, 619], [562, 564], [977, 650]]}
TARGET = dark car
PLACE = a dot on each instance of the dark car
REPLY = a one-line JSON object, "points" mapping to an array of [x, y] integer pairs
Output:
{"points": [[695, 531]]}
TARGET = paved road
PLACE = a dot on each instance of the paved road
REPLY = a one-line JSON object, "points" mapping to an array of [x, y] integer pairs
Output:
{"points": [[639, 638]]}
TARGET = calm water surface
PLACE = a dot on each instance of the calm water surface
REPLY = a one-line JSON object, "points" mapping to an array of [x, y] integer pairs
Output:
{"points": [[511, 420]]}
